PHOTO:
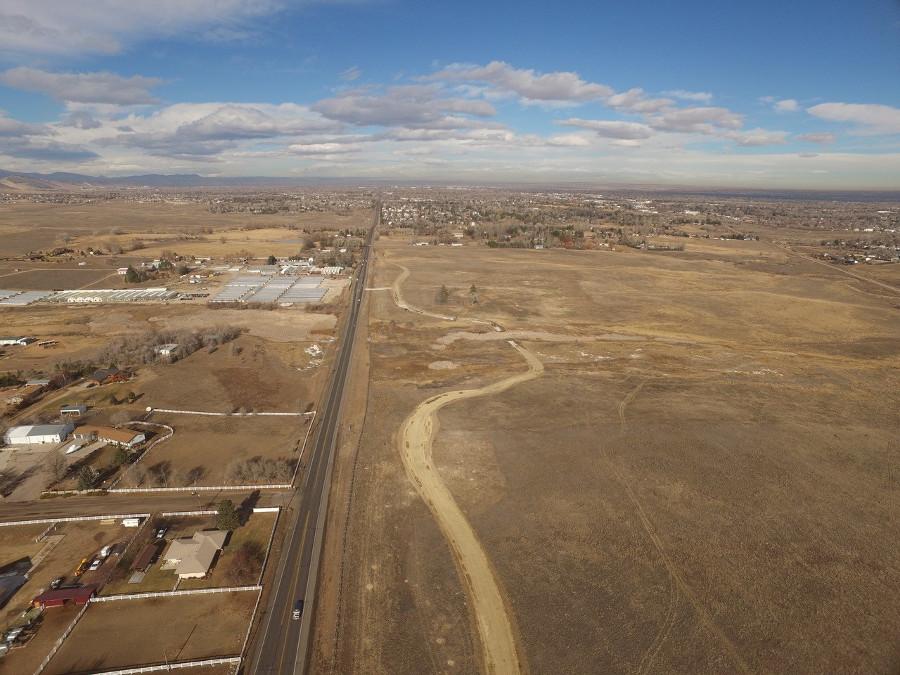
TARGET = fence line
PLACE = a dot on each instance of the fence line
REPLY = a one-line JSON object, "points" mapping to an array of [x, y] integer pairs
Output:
{"points": [[262, 573], [147, 450], [45, 532], [202, 488], [62, 638], [303, 449], [174, 666], [172, 594], [73, 519], [230, 414]]}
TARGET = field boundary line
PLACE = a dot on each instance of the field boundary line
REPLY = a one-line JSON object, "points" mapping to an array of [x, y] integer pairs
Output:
{"points": [[262, 572], [145, 452], [174, 666], [303, 449], [72, 519], [172, 594], [62, 638], [230, 414], [203, 488]]}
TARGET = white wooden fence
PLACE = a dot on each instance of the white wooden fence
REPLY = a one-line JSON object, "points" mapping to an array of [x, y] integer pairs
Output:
{"points": [[172, 594], [175, 666]]}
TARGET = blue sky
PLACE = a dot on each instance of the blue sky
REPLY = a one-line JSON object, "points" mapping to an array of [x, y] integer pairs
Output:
{"points": [[767, 94]]}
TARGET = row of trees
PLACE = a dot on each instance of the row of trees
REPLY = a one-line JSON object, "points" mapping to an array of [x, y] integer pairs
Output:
{"points": [[138, 349]]}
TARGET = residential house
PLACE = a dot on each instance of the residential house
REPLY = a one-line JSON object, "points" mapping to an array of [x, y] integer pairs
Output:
{"points": [[127, 438], [107, 375], [193, 557]]}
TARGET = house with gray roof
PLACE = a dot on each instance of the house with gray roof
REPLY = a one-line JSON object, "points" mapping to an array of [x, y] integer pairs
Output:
{"points": [[193, 556]]}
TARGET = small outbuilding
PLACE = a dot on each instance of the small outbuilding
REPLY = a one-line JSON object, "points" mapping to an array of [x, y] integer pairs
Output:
{"points": [[78, 594], [166, 349], [72, 410], [7, 341], [147, 556]]}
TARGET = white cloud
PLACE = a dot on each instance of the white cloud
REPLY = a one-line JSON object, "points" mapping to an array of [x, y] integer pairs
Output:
{"points": [[786, 105], [611, 129], [557, 86], [414, 106], [10, 128], [634, 101], [821, 137], [84, 87], [199, 132], [326, 149], [871, 118], [101, 26], [350, 75], [704, 120], [757, 137], [703, 96]]}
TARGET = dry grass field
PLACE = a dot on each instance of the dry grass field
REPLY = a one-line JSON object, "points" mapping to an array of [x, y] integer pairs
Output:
{"points": [[705, 478], [155, 631], [203, 449], [189, 229], [273, 366]]}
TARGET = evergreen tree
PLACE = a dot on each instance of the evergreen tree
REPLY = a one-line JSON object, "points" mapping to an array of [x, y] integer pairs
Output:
{"points": [[227, 517]]}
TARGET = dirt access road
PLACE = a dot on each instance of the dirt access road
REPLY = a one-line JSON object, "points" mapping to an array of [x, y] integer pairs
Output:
{"points": [[491, 614]]}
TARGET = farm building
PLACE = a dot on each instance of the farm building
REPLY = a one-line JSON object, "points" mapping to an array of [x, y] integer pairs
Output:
{"points": [[166, 349], [125, 437], [72, 409], [147, 556], [24, 394], [10, 341], [59, 597], [107, 375], [192, 557], [38, 433]]}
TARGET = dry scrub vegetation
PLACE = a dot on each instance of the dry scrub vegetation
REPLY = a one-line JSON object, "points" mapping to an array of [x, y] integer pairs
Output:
{"points": [[706, 478]]}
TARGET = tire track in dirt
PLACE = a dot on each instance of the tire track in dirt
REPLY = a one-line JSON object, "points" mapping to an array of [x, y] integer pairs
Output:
{"points": [[398, 297], [674, 573], [488, 607]]}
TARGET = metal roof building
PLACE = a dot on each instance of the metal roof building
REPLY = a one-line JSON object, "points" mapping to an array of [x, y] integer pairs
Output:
{"points": [[38, 433], [57, 598]]}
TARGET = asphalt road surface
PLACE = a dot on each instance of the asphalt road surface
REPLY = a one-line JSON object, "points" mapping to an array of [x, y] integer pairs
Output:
{"points": [[283, 640]]}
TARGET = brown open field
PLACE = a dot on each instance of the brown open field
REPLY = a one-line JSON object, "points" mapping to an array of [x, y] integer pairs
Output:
{"points": [[188, 229], [203, 448], [705, 478], [154, 631]]}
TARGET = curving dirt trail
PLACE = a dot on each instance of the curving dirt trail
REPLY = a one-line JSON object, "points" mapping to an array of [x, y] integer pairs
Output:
{"points": [[498, 641], [398, 297]]}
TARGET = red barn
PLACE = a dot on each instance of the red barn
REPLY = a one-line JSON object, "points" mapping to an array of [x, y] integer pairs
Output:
{"points": [[57, 598]]}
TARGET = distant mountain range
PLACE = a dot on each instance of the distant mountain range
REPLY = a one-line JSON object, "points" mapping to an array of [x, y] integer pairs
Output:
{"points": [[16, 181], [60, 181]]}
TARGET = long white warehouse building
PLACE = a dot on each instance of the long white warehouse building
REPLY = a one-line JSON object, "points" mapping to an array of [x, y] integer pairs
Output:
{"points": [[38, 433]]}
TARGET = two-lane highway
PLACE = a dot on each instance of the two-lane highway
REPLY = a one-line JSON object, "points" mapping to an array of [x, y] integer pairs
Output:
{"points": [[283, 641]]}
